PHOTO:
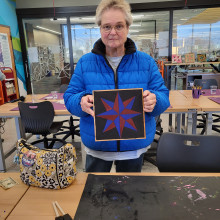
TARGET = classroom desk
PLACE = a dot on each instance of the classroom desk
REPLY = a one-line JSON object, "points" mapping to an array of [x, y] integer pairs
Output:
{"points": [[206, 105], [5, 109], [181, 105], [179, 102], [6, 113], [11, 197], [37, 203]]}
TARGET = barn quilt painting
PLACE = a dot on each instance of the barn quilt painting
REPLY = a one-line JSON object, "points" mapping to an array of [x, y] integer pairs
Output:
{"points": [[119, 114]]}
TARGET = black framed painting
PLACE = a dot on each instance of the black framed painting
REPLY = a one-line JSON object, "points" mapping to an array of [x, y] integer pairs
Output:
{"points": [[119, 114]]}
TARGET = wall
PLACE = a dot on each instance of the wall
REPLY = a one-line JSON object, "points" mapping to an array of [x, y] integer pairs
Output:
{"points": [[8, 17], [66, 3], [45, 38]]}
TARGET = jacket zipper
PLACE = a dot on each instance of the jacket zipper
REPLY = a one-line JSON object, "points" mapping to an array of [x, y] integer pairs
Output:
{"points": [[116, 87]]}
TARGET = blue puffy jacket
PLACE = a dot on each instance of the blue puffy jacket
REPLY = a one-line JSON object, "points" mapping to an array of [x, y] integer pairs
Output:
{"points": [[93, 72]]}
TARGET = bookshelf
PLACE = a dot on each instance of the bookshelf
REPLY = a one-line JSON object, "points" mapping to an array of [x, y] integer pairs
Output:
{"points": [[8, 86], [1, 95]]}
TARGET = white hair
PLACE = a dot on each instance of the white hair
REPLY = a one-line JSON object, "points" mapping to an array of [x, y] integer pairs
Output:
{"points": [[117, 4]]}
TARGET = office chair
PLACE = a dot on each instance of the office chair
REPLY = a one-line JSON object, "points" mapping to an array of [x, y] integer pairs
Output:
{"points": [[71, 129], [188, 153], [37, 119], [150, 155], [205, 84]]}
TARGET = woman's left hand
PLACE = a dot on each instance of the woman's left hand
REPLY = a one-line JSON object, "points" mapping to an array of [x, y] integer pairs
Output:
{"points": [[149, 101]]}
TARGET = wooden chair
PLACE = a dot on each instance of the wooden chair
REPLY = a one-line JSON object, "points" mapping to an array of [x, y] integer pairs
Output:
{"points": [[188, 153], [161, 67]]}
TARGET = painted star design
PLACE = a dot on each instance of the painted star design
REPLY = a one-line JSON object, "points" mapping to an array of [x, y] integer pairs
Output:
{"points": [[119, 114]]}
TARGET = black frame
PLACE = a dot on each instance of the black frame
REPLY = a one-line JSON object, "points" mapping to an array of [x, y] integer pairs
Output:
{"points": [[67, 12]]}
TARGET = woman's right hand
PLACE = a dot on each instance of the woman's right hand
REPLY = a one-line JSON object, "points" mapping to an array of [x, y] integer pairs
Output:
{"points": [[86, 104]]}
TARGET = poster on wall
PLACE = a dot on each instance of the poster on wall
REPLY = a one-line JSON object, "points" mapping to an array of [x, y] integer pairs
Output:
{"points": [[5, 55], [33, 55], [163, 52], [162, 43]]}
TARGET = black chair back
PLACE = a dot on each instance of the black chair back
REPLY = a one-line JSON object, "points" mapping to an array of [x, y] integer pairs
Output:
{"points": [[150, 155], [37, 118], [188, 153], [205, 83]]}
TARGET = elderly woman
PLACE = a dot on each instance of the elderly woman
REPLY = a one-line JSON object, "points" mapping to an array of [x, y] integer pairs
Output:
{"points": [[115, 63]]}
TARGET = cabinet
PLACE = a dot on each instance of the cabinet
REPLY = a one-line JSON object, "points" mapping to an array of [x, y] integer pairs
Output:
{"points": [[8, 64], [1, 95], [9, 85], [188, 72]]}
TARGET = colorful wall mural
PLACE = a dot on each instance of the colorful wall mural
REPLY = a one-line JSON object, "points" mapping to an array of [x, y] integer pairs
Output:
{"points": [[8, 17]]}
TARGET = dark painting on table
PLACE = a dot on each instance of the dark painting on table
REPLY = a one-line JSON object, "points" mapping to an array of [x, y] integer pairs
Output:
{"points": [[149, 197], [119, 114]]}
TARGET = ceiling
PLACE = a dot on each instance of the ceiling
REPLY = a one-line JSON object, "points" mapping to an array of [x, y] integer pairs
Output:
{"points": [[70, 3], [208, 16], [143, 23]]}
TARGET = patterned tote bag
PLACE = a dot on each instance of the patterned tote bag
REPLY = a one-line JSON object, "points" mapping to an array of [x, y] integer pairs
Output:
{"points": [[46, 168]]}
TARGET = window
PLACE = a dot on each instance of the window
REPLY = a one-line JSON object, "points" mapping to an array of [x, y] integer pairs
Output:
{"points": [[84, 34], [150, 33], [197, 31]]}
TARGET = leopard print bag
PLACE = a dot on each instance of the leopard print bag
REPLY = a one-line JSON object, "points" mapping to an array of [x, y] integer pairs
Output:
{"points": [[46, 168]]}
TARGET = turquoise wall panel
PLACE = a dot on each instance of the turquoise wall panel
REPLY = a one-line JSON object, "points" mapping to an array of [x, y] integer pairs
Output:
{"points": [[8, 17]]}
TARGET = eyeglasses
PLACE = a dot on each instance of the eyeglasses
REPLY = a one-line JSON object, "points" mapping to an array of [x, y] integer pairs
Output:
{"points": [[118, 28]]}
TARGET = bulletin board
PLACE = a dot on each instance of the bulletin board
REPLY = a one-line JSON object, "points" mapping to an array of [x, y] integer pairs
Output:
{"points": [[6, 52]]}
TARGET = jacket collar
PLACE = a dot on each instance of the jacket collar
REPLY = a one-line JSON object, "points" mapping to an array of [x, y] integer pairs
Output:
{"points": [[99, 47]]}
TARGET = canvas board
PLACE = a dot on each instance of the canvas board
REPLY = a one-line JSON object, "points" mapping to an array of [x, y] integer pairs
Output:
{"points": [[119, 114], [149, 197]]}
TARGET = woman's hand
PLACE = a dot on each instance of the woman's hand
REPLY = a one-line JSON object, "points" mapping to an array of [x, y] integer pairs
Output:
{"points": [[149, 101], [86, 104]]}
